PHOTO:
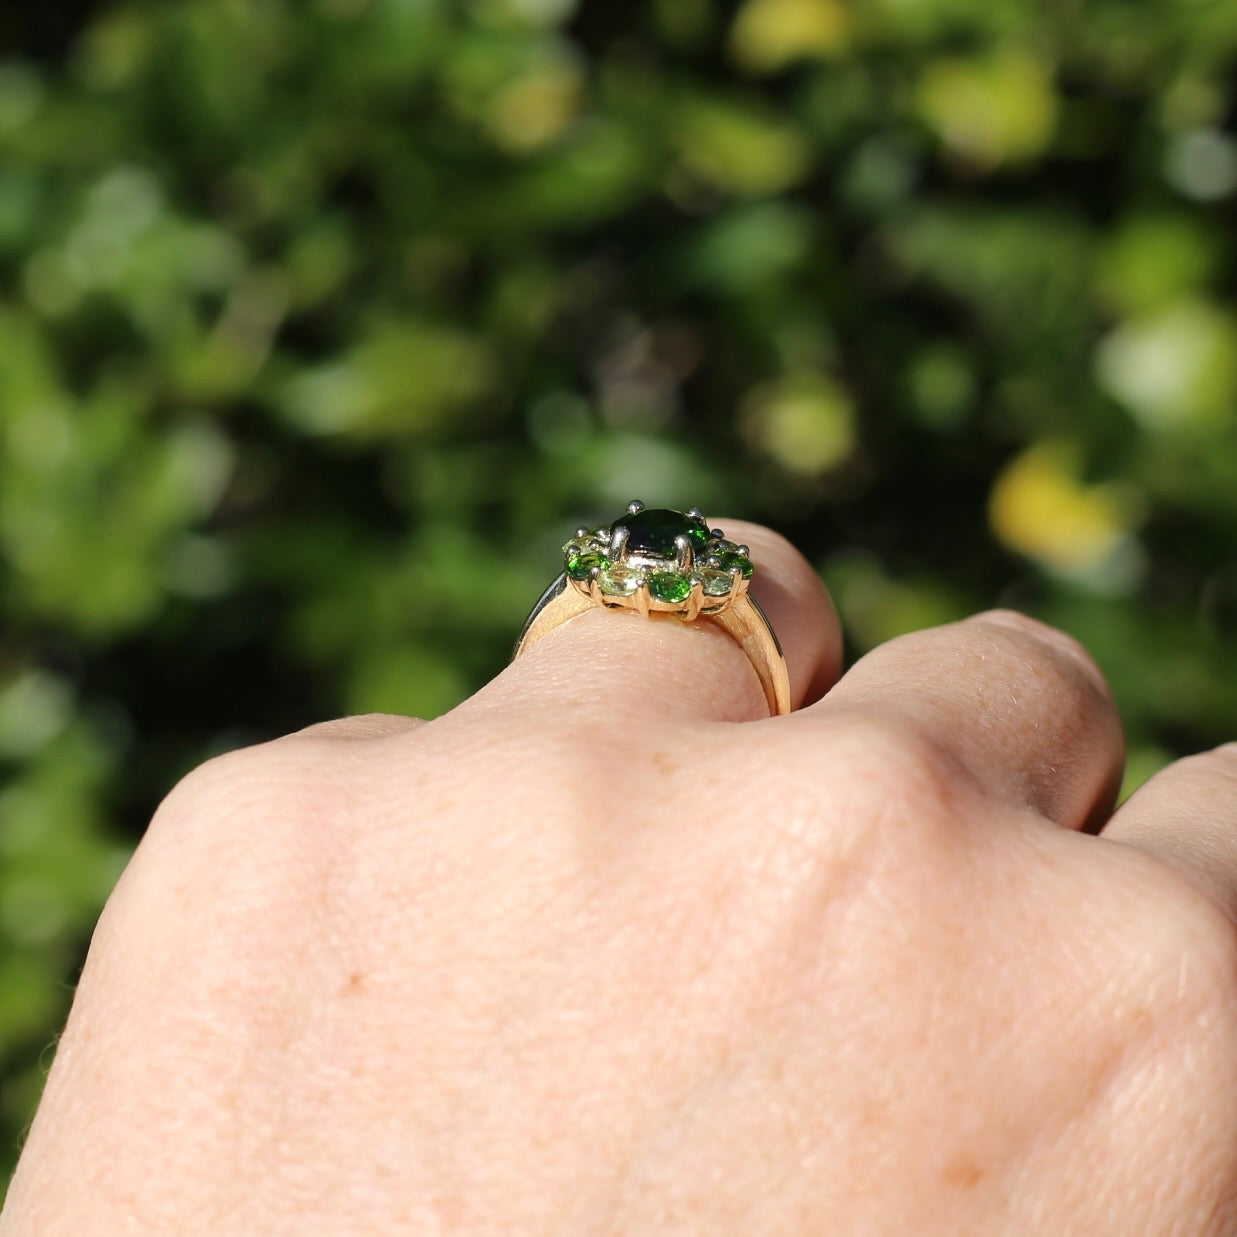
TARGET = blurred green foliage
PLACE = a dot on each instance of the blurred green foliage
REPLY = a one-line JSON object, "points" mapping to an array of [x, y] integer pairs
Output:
{"points": [[322, 323]]}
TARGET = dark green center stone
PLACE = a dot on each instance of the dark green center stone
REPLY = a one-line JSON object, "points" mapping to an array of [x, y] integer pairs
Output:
{"points": [[652, 531]]}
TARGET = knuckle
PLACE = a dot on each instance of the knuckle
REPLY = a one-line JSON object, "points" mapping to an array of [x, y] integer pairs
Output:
{"points": [[1216, 766], [1051, 647], [359, 726], [201, 790], [236, 854], [889, 769], [868, 817], [1193, 784], [250, 814]]}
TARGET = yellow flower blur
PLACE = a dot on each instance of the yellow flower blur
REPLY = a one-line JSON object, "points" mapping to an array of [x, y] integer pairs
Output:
{"points": [[1041, 508]]}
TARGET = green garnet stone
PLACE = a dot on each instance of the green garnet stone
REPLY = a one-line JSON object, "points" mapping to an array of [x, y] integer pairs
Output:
{"points": [[651, 532], [580, 566], [669, 586], [730, 560]]}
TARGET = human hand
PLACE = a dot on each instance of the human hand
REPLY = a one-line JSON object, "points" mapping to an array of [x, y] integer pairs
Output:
{"points": [[606, 950]]}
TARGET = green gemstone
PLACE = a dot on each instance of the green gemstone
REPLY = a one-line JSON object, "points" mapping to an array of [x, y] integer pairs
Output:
{"points": [[729, 560], [715, 583], [651, 532], [671, 586], [619, 581], [580, 566]]}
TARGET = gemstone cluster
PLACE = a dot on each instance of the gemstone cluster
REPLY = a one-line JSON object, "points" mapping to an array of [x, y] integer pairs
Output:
{"points": [[658, 560]]}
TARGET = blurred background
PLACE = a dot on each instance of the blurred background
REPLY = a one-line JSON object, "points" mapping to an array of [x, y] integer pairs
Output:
{"points": [[323, 324]]}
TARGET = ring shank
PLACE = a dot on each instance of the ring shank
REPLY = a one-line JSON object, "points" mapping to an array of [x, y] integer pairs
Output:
{"points": [[743, 621]]}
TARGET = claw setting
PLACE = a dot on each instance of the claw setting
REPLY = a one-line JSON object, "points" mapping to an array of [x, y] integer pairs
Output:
{"points": [[655, 560]]}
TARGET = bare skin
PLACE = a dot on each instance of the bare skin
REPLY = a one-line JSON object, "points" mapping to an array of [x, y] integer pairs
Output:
{"points": [[607, 951]]}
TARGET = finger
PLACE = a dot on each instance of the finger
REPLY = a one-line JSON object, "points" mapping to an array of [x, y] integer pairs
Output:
{"points": [[1018, 707], [631, 668], [1187, 815]]}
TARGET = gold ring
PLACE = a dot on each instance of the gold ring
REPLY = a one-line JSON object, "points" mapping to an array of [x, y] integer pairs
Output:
{"points": [[664, 564]]}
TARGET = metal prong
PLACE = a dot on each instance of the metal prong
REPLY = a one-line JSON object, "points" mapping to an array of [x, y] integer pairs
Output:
{"points": [[582, 531], [717, 533], [684, 557], [694, 513], [736, 584], [634, 506], [695, 600], [618, 543], [744, 550], [642, 599]]}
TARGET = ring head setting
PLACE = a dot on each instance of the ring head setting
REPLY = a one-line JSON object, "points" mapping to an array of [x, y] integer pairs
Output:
{"points": [[654, 560], [664, 563]]}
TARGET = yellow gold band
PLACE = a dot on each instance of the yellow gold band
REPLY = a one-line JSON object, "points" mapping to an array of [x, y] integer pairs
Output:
{"points": [[742, 620]]}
